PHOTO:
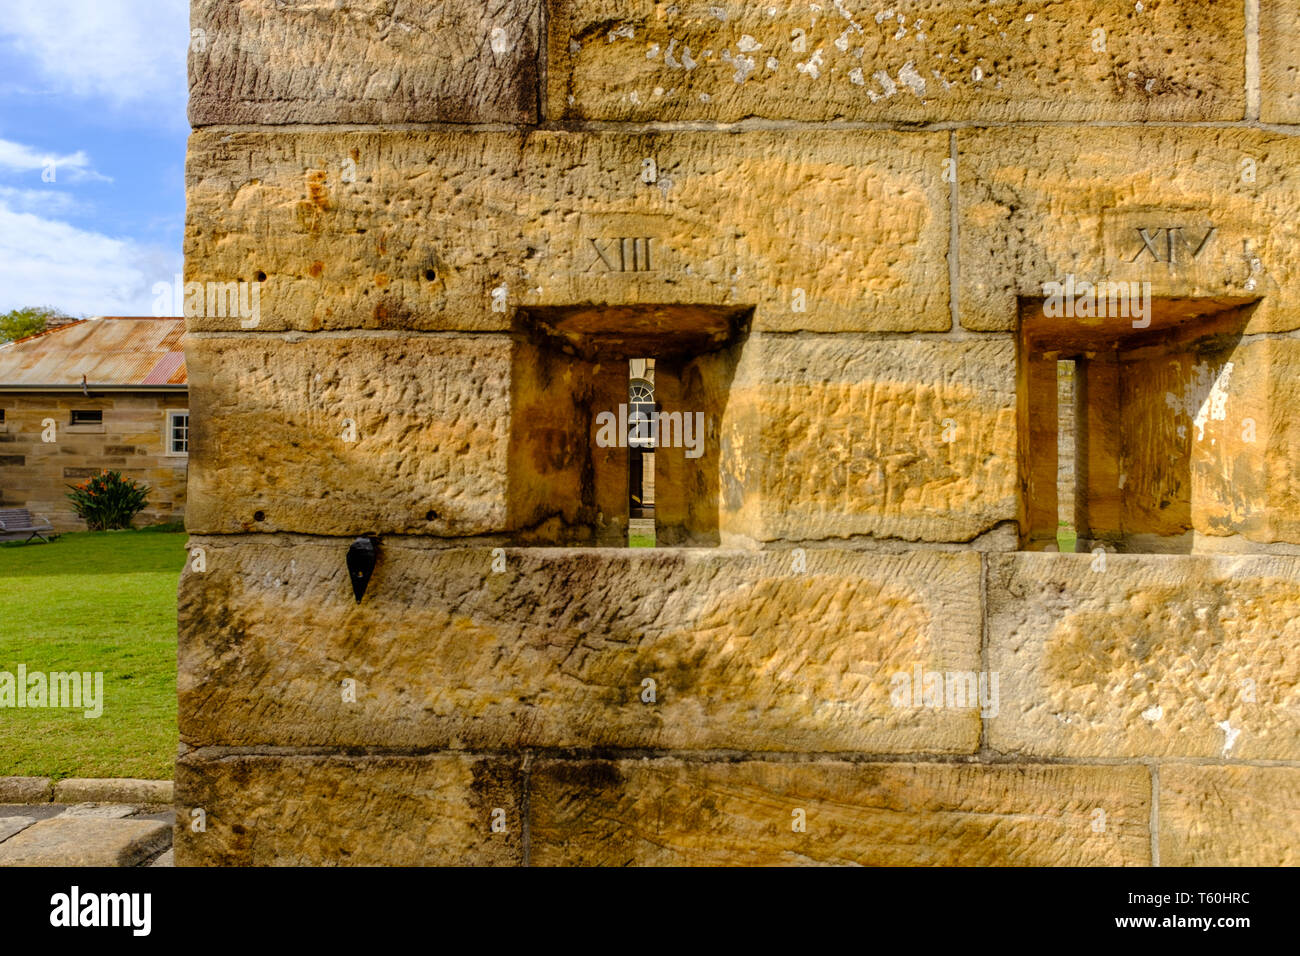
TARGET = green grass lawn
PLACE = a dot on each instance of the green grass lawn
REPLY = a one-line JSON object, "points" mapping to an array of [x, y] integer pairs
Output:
{"points": [[102, 601]]}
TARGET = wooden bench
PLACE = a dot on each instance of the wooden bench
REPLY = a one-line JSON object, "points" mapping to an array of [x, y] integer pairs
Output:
{"points": [[16, 522]]}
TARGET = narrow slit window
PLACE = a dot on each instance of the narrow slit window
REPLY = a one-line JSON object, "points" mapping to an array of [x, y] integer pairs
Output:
{"points": [[642, 438], [1067, 439], [83, 416]]}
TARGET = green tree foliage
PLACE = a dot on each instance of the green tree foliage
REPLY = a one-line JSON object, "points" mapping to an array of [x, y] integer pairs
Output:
{"points": [[21, 323]]}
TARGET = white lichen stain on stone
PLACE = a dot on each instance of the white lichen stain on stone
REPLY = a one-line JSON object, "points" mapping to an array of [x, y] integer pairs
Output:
{"points": [[718, 14], [886, 83], [1154, 713], [1229, 734], [500, 41], [652, 51], [1204, 399], [813, 66], [913, 80], [773, 63], [855, 76], [744, 67], [686, 62], [747, 44]]}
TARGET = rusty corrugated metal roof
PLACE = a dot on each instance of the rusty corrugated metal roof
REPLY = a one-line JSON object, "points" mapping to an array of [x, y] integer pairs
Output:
{"points": [[112, 351]]}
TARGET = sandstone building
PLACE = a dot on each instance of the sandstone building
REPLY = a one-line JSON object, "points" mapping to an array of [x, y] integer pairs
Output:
{"points": [[84, 396], [950, 286]]}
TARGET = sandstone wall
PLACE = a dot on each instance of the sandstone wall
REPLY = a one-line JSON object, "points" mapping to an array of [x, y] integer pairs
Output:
{"points": [[831, 226], [35, 474]]}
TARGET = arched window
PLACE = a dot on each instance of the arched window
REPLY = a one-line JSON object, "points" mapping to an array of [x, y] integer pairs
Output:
{"points": [[641, 413]]}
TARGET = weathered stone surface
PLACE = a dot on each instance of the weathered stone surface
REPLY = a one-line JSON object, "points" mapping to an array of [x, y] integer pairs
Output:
{"points": [[25, 789], [112, 790], [1229, 816], [11, 825], [167, 859], [853, 436], [701, 59], [825, 230], [807, 439], [745, 651], [1279, 61], [111, 811], [348, 811], [430, 416], [1039, 203], [667, 812], [85, 841], [1157, 655], [267, 61]]}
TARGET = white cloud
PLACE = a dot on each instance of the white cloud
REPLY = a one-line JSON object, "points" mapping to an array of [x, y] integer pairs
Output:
{"points": [[74, 166], [47, 262], [45, 202], [129, 52]]}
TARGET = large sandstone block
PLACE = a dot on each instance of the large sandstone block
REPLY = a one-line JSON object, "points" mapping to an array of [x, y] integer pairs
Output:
{"points": [[905, 438], [632, 648], [349, 436], [822, 230], [1229, 816], [1151, 656], [1279, 61], [348, 811], [1194, 212], [1077, 60], [367, 61], [84, 841], [672, 813]]}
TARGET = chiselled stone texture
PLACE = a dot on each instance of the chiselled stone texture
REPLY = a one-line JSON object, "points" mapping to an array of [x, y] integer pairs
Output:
{"points": [[745, 651], [1279, 61], [890, 437], [1039, 203], [348, 811], [781, 59], [827, 231], [425, 450], [1229, 816], [1158, 655], [672, 813], [367, 61]]}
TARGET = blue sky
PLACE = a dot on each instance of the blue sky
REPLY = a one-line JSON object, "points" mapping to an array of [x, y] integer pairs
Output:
{"points": [[98, 87]]}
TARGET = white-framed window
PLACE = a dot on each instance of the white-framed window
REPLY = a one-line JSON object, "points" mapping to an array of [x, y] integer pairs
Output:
{"points": [[641, 413], [178, 431]]}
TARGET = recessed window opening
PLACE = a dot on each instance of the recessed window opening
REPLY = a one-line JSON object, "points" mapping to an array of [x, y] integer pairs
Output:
{"points": [[83, 416], [620, 428], [1126, 426]]}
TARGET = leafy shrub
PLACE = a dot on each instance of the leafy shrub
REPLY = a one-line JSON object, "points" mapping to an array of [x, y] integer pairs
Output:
{"points": [[108, 500]]}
